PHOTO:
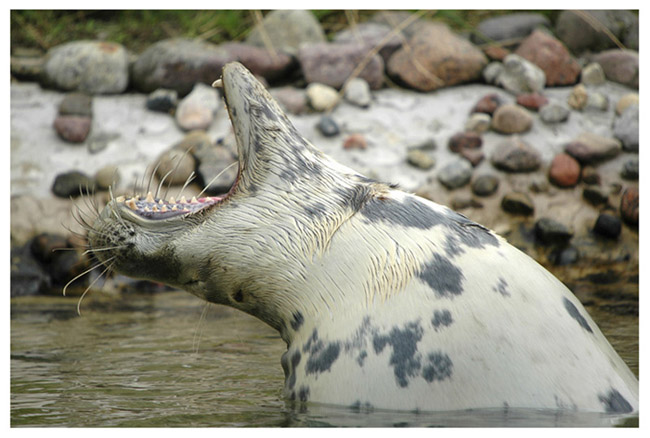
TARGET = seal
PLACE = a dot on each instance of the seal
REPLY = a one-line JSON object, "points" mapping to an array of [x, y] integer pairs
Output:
{"points": [[384, 299]]}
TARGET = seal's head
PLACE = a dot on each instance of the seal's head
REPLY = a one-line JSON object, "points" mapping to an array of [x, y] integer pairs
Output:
{"points": [[251, 247]]}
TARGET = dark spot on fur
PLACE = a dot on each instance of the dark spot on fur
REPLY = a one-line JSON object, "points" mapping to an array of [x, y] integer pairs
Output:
{"points": [[239, 296], [362, 356], [438, 367], [411, 212], [441, 318], [615, 403], [316, 211], [284, 361], [322, 359], [575, 314], [354, 197], [405, 358], [442, 276], [303, 393], [502, 287], [312, 340], [297, 320]]}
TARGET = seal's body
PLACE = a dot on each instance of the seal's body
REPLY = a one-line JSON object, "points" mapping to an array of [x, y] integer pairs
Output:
{"points": [[384, 299]]}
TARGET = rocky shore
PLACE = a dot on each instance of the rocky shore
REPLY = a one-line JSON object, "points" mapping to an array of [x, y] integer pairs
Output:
{"points": [[526, 126]]}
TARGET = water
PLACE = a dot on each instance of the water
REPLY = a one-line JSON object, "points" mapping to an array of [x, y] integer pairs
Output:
{"points": [[168, 359]]}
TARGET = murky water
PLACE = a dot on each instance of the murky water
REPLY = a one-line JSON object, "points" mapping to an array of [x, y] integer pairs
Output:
{"points": [[167, 359]]}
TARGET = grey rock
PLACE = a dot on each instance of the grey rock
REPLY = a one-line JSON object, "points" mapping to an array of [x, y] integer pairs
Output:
{"points": [[478, 122], [162, 100], [107, 176], [620, 66], [197, 109], [518, 203], [521, 76], [631, 170], [505, 27], [492, 72], [420, 159], [357, 93], [579, 35], [485, 185], [293, 99], [100, 141], [626, 101], [72, 183], [27, 275], [565, 256], [427, 145], [328, 127], [286, 30], [589, 148], [511, 119], [455, 174], [626, 128], [371, 34], [27, 68], [94, 67], [393, 19], [597, 101], [608, 225], [212, 160], [549, 231], [595, 195], [592, 74], [514, 155], [554, 112], [76, 104]]}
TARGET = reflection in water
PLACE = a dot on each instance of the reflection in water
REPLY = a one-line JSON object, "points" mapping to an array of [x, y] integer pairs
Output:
{"points": [[154, 360]]}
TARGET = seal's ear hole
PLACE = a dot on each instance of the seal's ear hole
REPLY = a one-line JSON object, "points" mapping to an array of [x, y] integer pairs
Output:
{"points": [[239, 296]]}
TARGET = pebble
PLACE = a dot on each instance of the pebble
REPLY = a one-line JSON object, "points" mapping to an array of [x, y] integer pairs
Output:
{"points": [[492, 72], [631, 169], [27, 68], [626, 128], [511, 119], [474, 156], [626, 101], [427, 145], [579, 35], [286, 30], [620, 66], [27, 275], [592, 74], [564, 171], [597, 101], [589, 148], [496, 53], [595, 195], [76, 104], [175, 165], [590, 175], [554, 112], [549, 231], [578, 97], [630, 206], [520, 75], [565, 256], [357, 93], [43, 247], [72, 183], [608, 225], [294, 100], [485, 185], [478, 123], [488, 104], [197, 109], [464, 140], [100, 141], [507, 27], [462, 202], [73, 129], [518, 203], [355, 141], [532, 101], [322, 97], [371, 35], [394, 18], [514, 155], [420, 159], [539, 185], [162, 100], [216, 160], [328, 127], [107, 176], [66, 265], [549, 54], [455, 174]]}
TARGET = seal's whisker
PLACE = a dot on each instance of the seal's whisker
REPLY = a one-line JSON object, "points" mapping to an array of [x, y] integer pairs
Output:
{"points": [[198, 331], [108, 248], [84, 273], [182, 157], [91, 285], [187, 182], [153, 172], [215, 178], [162, 182]]}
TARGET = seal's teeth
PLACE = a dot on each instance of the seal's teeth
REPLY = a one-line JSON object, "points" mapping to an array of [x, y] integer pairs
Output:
{"points": [[194, 200], [131, 204], [155, 209], [218, 83], [150, 198], [183, 200], [186, 209], [163, 209], [161, 202], [120, 199], [147, 209], [174, 208], [172, 200]]}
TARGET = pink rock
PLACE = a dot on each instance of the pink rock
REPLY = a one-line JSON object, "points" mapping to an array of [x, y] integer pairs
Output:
{"points": [[564, 171], [74, 129], [532, 101], [552, 56], [355, 141]]}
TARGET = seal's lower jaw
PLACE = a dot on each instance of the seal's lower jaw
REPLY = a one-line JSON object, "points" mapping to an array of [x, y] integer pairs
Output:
{"points": [[155, 209]]}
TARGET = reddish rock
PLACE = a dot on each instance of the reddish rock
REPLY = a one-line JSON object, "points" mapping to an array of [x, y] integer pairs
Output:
{"points": [[436, 57], [532, 101], [496, 53], [552, 56], [464, 140], [564, 171], [630, 206], [620, 66], [589, 148], [355, 141], [74, 129], [474, 156], [488, 104]]}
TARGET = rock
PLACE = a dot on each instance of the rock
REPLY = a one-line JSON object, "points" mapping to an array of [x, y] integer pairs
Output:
{"points": [[549, 231], [355, 141], [72, 184], [485, 185], [65, 266], [43, 247], [597, 101], [495, 53], [518, 203], [630, 99], [492, 72], [74, 129], [215, 163], [565, 256], [554, 112], [507, 27], [592, 74], [197, 109], [27, 276], [427, 145], [107, 176], [488, 104], [626, 128], [100, 141], [532, 101], [615, 188], [420, 159], [436, 58], [539, 185], [564, 171], [357, 93], [514, 155], [520, 75], [462, 201], [595, 195], [511, 119], [27, 68], [333, 64], [474, 156], [590, 175], [464, 140], [608, 225], [162, 100], [455, 174], [620, 66], [578, 97], [175, 165], [94, 67], [76, 104], [293, 99], [630, 206], [263, 63], [478, 123], [286, 30], [328, 127], [590, 148], [322, 97], [371, 34], [396, 18], [631, 169], [579, 34], [551, 56]]}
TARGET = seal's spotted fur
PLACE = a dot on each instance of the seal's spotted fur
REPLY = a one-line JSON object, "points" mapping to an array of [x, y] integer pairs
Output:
{"points": [[384, 299]]}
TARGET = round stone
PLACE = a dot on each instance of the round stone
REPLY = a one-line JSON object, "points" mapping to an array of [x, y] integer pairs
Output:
{"points": [[327, 126], [518, 203], [549, 231], [511, 119], [564, 171], [455, 174], [608, 225], [322, 97], [485, 185], [420, 159]]}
